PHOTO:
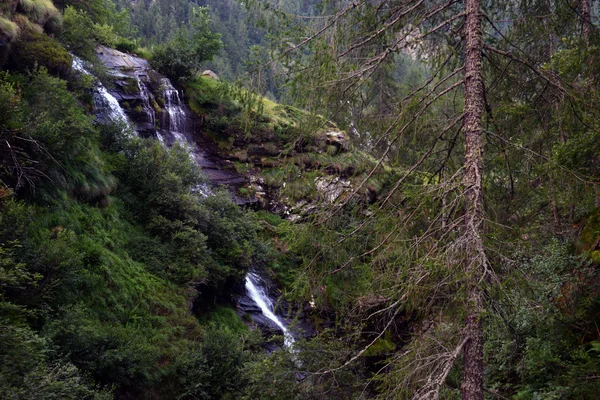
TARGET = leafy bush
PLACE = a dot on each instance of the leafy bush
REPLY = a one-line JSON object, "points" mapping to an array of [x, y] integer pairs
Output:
{"points": [[41, 50], [182, 56], [125, 45], [81, 34]]}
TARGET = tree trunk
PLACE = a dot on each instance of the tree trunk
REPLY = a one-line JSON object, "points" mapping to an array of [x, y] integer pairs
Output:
{"points": [[586, 15], [475, 259]]}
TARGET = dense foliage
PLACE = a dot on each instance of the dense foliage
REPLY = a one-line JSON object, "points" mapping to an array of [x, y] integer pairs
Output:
{"points": [[190, 47], [116, 272], [103, 245]]}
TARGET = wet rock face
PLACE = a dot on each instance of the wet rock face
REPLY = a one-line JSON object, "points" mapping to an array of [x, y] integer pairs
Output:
{"points": [[116, 60]]}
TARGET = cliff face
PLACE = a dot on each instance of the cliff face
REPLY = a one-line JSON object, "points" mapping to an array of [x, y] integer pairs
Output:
{"points": [[157, 109]]}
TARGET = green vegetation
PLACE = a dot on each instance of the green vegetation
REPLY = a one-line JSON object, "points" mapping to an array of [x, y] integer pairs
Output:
{"points": [[40, 50], [116, 277], [20, 18], [102, 247], [192, 44]]}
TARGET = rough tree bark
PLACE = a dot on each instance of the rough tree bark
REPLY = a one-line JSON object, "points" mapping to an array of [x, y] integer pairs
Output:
{"points": [[586, 16], [475, 260]]}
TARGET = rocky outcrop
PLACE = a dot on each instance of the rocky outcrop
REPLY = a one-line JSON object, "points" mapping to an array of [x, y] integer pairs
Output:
{"points": [[210, 74], [157, 110]]}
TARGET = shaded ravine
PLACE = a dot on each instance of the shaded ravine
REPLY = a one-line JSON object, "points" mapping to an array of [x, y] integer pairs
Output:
{"points": [[175, 123]]}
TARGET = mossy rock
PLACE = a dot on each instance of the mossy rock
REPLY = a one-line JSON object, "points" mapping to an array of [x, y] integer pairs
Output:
{"points": [[241, 156], [589, 239], [131, 87], [41, 50]]}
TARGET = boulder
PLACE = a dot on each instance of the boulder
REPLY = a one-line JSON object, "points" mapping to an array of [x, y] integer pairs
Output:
{"points": [[210, 74], [337, 139]]}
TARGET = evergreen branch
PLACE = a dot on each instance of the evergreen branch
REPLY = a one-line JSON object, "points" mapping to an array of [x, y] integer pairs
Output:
{"points": [[325, 28]]}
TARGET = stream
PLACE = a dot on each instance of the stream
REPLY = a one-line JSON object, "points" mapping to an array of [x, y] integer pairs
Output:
{"points": [[174, 124]]}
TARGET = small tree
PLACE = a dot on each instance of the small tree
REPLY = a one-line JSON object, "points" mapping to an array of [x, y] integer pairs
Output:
{"points": [[181, 56]]}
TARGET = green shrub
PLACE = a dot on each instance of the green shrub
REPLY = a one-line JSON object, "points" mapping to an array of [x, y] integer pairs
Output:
{"points": [[191, 45], [81, 34], [41, 50], [125, 45]]}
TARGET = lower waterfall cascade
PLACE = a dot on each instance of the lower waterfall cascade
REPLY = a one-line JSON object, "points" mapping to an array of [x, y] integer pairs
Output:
{"points": [[259, 295]]}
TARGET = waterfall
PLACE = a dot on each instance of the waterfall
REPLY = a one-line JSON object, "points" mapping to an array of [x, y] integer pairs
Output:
{"points": [[174, 127], [174, 117], [106, 104], [146, 106], [259, 295]]}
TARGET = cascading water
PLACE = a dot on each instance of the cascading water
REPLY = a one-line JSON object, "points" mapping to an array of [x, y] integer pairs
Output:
{"points": [[258, 294], [174, 117], [146, 106], [174, 128], [106, 104]]}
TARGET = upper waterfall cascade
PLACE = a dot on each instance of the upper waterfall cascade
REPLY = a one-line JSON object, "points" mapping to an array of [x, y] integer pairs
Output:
{"points": [[174, 117], [107, 106], [146, 106]]}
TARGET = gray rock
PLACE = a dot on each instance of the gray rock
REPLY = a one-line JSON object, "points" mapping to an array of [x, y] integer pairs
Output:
{"points": [[210, 74]]}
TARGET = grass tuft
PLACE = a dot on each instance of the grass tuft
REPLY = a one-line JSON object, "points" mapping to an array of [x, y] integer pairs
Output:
{"points": [[9, 31]]}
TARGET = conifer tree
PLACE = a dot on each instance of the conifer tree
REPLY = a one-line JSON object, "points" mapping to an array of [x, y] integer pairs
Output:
{"points": [[340, 55]]}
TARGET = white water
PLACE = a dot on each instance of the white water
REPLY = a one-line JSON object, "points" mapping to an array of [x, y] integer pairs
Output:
{"points": [[258, 294], [145, 95], [106, 104], [175, 115]]}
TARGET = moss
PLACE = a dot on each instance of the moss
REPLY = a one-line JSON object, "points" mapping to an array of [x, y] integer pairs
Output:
{"points": [[271, 149], [590, 234], [156, 107], [382, 346], [131, 87], [241, 168], [226, 317], [241, 156], [39, 49]]}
